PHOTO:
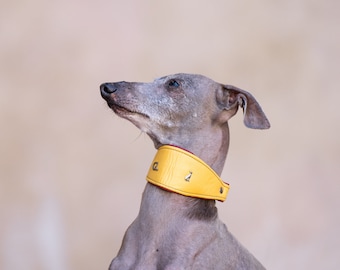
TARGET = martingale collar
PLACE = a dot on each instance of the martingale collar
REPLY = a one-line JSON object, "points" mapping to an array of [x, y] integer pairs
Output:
{"points": [[177, 170]]}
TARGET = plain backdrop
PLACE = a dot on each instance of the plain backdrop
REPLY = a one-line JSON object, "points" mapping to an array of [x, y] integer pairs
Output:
{"points": [[72, 173]]}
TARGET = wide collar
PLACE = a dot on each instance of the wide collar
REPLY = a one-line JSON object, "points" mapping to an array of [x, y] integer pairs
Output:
{"points": [[177, 170]]}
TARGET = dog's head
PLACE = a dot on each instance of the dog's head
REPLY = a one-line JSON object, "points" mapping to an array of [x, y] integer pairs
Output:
{"points": [[181, 108]]}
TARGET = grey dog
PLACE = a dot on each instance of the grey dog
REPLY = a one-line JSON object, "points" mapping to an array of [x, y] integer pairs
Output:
{"points": [[173, 231]]}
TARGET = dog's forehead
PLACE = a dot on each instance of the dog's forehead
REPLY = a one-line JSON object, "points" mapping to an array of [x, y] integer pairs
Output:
{"points": [[188, 78]]}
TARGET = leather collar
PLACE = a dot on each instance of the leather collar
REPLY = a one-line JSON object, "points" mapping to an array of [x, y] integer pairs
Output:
{"points": [[180, 171]]}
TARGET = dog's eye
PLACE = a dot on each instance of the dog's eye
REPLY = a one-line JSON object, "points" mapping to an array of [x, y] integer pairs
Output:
{"points": [[173, 84]]}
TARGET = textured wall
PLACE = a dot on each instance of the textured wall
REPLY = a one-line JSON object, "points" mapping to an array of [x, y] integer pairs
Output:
{"points": [[72, 173]]}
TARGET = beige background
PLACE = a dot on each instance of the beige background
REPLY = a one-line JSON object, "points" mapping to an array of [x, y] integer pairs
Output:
{"points": [[72, 173]]}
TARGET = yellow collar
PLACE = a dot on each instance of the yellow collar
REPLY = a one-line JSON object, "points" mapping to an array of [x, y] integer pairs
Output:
{"points": [[179, 171]]}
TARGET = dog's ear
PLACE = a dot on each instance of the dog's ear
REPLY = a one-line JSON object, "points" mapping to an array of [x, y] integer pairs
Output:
{"points": [[231, 97]]}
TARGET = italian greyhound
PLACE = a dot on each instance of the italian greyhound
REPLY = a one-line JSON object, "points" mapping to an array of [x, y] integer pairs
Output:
{"points": [[191, 112]]}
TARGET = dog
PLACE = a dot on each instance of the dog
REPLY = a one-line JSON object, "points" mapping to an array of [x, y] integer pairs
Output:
{"points": [[186, 116]]}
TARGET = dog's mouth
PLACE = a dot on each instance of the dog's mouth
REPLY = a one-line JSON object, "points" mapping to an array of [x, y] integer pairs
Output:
{"points": [[124, 111]]}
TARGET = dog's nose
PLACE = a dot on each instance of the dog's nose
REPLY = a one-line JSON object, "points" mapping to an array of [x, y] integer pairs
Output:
{"points": [[107, 89]]}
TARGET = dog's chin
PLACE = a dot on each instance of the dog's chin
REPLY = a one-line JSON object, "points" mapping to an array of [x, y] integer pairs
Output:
{"points": [[119, 110], [125, 112]]}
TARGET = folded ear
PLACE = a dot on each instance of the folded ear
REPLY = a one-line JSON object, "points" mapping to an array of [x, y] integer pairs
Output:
{"points": [[230, 97]]}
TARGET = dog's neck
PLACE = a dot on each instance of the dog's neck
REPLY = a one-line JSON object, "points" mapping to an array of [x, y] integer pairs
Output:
{"points": [[157, 202], [158, 205], [216, 156], [213, 151]]}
